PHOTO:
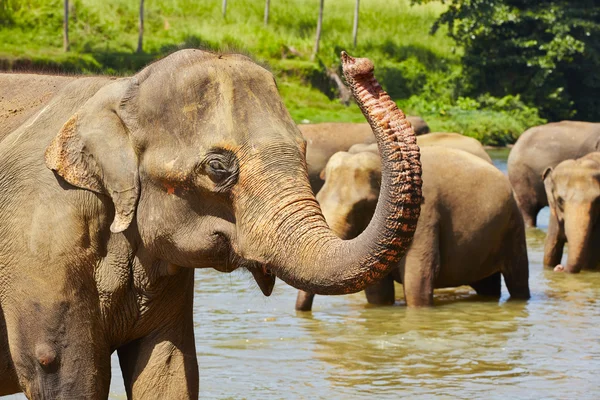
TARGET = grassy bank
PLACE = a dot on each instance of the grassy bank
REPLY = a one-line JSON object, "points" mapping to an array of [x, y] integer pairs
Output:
{"points": [[413, 66]]}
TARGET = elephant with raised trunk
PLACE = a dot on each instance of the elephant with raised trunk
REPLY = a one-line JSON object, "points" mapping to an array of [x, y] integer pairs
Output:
{"points": [[539, 148], [470, 231], [117, 188], [573, 190]]}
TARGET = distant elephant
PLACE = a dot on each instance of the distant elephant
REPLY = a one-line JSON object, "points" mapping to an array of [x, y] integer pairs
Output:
{"points": [[117, 188], [469, 233], [323, 140], [444, 139], [573, 191], [541, 147]]}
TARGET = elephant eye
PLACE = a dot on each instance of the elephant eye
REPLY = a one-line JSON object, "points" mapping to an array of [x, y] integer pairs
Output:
{"points": [[217, 171], [221, 166], [216, 165]]}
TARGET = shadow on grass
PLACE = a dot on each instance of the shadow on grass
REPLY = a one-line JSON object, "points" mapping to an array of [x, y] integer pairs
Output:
{"points": [[101, 61]]}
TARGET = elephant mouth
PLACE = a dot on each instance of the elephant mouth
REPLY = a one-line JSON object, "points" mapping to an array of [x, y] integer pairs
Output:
{"points": [[265, 279]]}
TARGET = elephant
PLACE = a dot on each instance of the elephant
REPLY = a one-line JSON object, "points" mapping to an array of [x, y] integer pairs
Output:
{"points": [[470, 231], [323, 140], [118, 188], [541, 147], [444, 139], [573, 192], [23, 95]]}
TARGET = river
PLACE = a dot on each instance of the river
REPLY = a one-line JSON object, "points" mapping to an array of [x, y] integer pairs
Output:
{"points": [[253, 347]]}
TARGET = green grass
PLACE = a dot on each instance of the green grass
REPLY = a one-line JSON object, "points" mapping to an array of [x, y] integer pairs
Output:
{"points": [[395, 35]]}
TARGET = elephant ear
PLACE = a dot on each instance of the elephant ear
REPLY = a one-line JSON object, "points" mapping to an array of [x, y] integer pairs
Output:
{"points": [[93, 151], [322, 175], [549, 186]]}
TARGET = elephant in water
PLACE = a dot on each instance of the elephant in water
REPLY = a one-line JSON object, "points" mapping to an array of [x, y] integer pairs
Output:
{"points": [[444, 139], [323, 140], [470, 231], [116, 188], [541, 147], [573, 190]]}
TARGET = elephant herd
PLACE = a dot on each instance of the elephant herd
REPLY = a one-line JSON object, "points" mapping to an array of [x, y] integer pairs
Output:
{"points": [[471, 230], [112, 190]]}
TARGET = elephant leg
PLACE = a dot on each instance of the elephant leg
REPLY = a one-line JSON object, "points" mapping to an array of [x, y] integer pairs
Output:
{"points": [[554, 245], [162, 365], [382, 293], [529, 205], [421, 266], [304, 301], [514, 263], [490, 286]]}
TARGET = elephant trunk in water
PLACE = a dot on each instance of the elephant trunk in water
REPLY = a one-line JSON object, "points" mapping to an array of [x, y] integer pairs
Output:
{"points": [[291, 234], [578, 230]]}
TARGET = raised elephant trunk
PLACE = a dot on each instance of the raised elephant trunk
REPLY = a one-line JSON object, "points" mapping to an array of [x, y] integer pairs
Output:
{"points": [[294, 240], [579, 227]]}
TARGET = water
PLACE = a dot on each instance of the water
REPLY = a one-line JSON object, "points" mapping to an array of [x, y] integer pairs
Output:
{"points": [[253, 347]]}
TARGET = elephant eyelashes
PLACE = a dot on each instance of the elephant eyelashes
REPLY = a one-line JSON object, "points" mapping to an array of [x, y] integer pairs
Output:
{"points": [[222, 168]]}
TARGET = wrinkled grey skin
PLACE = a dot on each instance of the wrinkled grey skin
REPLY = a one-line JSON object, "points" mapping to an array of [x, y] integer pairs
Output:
{"points": [[112, 190], [573, 191], [323, 140], [444, 139], [541, 147], [470, 231]]}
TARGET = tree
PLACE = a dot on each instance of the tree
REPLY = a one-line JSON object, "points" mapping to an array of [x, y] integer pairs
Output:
{"points": [[267, 6], [355, 27], [547, 51], [224, 9], [66, 44], [140, 47], [319, 25]]}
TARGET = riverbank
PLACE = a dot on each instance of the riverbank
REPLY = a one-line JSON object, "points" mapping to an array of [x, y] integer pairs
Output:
{"points": [[420, 71]]}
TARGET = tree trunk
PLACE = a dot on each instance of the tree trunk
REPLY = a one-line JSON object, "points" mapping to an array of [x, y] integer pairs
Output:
{"points": [[319, 25], [66, 45], [355, 28], [267, 5], [224, 8], [343, 92], [140, 47]]}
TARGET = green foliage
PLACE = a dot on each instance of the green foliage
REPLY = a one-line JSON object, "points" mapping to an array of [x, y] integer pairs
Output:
{"points": [[493, 121], [546, 51], [421, 71]]}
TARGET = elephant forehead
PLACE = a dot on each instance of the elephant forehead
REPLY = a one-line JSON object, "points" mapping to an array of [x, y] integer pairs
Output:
{"points": [[354, 162], [215, 102]]}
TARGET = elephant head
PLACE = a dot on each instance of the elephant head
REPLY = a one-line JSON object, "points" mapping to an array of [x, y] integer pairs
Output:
{"points": [[573, 191], [348, 208], [205, 166]]}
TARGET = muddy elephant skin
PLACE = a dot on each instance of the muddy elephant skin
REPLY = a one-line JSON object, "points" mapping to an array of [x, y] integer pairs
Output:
{"points": [[325, 139], [113, 189], [470, 231], [573, 191], [443, 139], [541, 147]]}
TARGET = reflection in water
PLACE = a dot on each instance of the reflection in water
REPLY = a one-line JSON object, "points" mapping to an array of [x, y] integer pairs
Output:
{"points": [[254, 347]]}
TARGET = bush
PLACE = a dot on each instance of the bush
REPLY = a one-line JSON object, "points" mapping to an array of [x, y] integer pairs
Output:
{"points": [[493, 121]]}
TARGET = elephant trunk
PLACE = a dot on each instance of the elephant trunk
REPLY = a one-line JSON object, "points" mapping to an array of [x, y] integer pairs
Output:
{"points": [[578, 230], [292, 234]]}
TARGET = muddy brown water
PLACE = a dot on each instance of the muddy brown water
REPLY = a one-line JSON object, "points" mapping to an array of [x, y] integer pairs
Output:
{"points": [[254, 347]]}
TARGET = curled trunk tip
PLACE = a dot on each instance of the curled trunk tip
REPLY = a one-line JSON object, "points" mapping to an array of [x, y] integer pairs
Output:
{"points": [[355, 67]]}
